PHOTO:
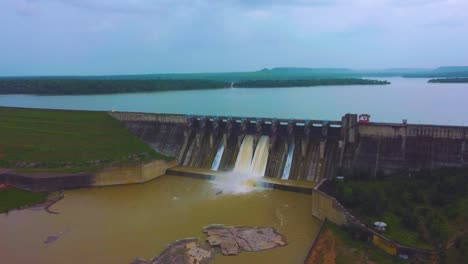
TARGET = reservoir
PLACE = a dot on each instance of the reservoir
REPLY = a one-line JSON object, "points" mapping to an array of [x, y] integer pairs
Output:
{"points": [[414, 99], [116, 224]]}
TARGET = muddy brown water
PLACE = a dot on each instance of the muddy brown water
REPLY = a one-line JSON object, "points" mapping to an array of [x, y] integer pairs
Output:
{"points": [[117, 224]]}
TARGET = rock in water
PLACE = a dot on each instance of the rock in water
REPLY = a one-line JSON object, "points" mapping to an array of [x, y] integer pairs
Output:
{"points": [[232, 240], [185, 251]]}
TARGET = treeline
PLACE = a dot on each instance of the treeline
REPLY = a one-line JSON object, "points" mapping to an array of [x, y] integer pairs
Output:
{"points": [[306, 83], [71, 86], [68, 86], [449, 80]]}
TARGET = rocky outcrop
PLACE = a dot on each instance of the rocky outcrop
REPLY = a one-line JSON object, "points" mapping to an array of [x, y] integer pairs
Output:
{"points": [[189, 250], [232, 240]]}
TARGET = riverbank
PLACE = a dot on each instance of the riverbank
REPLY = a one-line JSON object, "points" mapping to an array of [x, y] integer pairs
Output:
{"points": [[449, 80], [13, 198]]}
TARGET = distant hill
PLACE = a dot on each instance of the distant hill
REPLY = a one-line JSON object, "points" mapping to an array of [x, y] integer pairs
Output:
{"points": [[285, 73], [442, 72], [452, 69]]}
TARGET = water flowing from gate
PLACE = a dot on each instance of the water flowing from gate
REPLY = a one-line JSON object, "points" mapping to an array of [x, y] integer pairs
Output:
{"points": [[248, 168], [244, 158], [219, 156], [260, 159], [287, 167]]}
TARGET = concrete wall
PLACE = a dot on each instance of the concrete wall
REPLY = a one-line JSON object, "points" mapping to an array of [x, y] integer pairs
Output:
{"points": [[387, 148], [122, 174], [322, 149], [128, 174], [326, 207]]}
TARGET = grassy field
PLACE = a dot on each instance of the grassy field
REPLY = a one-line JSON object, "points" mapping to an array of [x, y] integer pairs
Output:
{"points": [[54, 140], [335, 245], [13, 198]]}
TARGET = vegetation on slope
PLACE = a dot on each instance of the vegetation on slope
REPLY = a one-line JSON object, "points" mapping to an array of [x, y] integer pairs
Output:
{"points": [[48, 140], [449, 80], [306, 83], [336, 245], [68, 86], [423, 209], [12, 198]]}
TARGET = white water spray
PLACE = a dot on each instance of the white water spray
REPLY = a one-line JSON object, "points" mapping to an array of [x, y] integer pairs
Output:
{"points": [[219, 156], [248, 167], [287, 167]]}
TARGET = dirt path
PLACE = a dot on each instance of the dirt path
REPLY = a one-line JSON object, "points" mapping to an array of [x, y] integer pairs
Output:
{"points": [[324, 250]]}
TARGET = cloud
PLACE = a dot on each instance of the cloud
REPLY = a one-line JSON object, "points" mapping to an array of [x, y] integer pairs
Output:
{"points": [[122, 36], [25, 7]]}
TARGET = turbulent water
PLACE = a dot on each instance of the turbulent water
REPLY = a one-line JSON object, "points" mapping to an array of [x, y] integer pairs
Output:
{"points": [[244, 158], [287, 166], [260, 159], [412, 99], [116, 224]]}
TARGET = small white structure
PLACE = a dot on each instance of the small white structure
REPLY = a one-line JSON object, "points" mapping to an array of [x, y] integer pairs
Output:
{"points": [[380, 226], [340, 178]]}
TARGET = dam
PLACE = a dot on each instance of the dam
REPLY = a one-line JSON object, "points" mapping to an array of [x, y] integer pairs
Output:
{"points": [[299, 149]]}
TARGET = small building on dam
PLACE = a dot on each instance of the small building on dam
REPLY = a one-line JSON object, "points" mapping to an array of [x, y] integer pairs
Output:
{"points": [[308, 150]]}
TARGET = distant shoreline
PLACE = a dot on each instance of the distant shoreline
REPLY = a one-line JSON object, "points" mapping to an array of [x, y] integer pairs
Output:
{"points": [[449, 80], [307, 83], [68, 86]]}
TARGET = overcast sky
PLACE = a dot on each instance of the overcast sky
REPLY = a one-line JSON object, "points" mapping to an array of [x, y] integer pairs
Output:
{"points": [[81, 37]]}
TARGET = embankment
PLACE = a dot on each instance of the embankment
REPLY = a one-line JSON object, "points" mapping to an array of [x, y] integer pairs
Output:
{"points": [[114, 175]]}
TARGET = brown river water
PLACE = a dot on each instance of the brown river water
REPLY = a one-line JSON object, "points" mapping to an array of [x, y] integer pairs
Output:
{"points": [[117, 224]]}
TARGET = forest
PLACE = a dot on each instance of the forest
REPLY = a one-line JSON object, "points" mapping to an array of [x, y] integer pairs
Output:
{"points": [[76, 86], [69, 86], [426, 209], [306, 83], [449, 80]]}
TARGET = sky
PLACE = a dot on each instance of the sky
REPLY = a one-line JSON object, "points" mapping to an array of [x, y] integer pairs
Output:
{"points": [[100, 37]]}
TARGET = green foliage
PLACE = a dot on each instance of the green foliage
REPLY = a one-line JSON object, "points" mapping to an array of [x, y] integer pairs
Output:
{"points": [[305, 83], [59, 139], [354, 240], [13, 198], [74, 86], [449, 80], [63, 86], [419, 208]]}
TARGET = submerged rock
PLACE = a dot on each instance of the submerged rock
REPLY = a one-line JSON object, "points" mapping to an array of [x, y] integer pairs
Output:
{"points": [[185, 251], [232, 240], [53, 238]]}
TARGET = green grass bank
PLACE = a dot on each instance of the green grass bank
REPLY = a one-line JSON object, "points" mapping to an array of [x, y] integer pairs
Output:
{"points": [[12, 198], [66, 141]]}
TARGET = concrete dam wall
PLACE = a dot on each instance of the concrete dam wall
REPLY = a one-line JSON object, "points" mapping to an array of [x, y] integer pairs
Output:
{"points": [[301, 149]]}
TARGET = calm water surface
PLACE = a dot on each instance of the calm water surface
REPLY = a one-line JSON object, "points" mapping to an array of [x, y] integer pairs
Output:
{"points": [[412, 99], [117, 224]]}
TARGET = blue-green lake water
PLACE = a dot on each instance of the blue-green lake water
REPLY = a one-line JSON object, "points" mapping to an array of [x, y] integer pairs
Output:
{"points": [[412, 99]]}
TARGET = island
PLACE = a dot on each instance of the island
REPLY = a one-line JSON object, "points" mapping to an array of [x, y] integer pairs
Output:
{"points": [[307, 83], [449, 80]]}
